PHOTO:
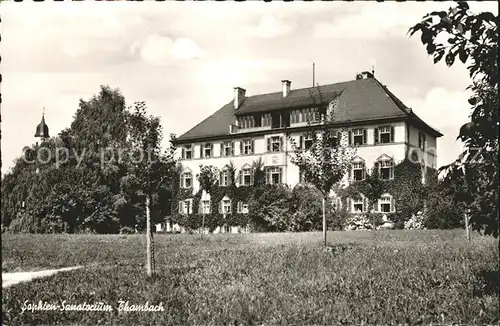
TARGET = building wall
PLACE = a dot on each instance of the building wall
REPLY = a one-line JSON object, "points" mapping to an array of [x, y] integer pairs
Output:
{"points": [[369, 152], [430, 154]]}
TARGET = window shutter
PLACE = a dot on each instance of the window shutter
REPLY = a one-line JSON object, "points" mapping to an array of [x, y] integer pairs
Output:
{"points": [[220, 178], [232, 148], [349, 172], [229, 178], [201, 150], [251, 177], [365, 204], [393, 205], [180, 207], [240, 178], [239, 207], [281, 143], [350, 137], [419, 140], [220, 207], [375, 135], [183, 152], [301, 141], [212, 150], [241, 147], [269, 144], [191, 206], [252, 150], [221, 149], [200, 207], [392, 134], [349, 208], [364, 136], [339, 138]]}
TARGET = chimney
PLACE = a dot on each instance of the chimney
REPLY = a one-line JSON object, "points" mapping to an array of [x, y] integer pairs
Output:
{"points": [[239, 96], [286, 87]]}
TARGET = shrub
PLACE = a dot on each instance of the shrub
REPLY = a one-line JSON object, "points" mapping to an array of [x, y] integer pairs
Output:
{"points": [[358, 222], [127, 230]]}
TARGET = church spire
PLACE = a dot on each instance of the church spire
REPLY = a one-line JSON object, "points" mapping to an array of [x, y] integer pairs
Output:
{"points": [[42, 130]]}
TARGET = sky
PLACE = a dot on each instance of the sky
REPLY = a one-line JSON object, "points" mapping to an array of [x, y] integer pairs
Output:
{"points": [[184, 59]]}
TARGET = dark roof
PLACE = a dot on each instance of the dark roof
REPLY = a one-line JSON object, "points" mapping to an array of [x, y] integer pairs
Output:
{"points": [[359, 100], [42, 130]]}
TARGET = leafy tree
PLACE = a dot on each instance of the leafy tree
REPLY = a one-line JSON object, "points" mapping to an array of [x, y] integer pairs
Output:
{"points": [[208, 178], [326, 162], [473, 37], [149, 167]]}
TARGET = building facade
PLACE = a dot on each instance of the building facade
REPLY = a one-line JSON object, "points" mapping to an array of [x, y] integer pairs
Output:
{"points": [[247, 129]]}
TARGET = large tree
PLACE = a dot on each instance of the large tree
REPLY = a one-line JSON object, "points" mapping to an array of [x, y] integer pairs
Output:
{"points": [[473, 37]]}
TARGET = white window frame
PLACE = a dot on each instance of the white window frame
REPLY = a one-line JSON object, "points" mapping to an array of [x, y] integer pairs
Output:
{"points": [[356, 166], [421, 140], [209, 147], [205, 206], [272, 170], [225, 146], [357, 133], [308, 138], [384, 164], [188, 149], [383, 131], [275, 140], [355, 202], [385, 199], [246, 173], [183, 179], [242, 208], [247, 147], [224, 180], [226, 206], [186, 206]]}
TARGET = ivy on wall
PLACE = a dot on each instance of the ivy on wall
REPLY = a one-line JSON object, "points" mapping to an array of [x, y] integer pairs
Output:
{"points": [[406, 188]]}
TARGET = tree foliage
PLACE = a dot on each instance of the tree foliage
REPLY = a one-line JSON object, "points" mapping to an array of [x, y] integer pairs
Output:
{"points": [[86, 179], [473, 37]]}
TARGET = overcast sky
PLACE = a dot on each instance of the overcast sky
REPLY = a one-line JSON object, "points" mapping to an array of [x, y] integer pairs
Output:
{"points": [[184, 58]]}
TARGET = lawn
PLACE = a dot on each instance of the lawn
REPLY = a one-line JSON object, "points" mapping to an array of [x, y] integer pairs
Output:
{"points": [[381, 277]]}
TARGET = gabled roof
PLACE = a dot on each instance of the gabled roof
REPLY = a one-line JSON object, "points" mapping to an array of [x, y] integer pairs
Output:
{"points": [[358, 100]]}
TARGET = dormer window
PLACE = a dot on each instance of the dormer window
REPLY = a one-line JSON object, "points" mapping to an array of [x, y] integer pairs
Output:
{"points": [[225, 179], [358, 171], [246, 176]]}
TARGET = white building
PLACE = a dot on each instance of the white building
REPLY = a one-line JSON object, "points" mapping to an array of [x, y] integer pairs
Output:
{"points": [[252, 127]]}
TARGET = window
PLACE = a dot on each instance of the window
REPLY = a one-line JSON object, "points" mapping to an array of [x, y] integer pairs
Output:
{"points": [[226, 229], [358, 171], [357, 205], [227, 148], [246, 147], [308, 141], [186, 206], [205, 207], [385, 204], [186, 180], [242, 208], [226, 206], [274, 144], [246, 177], [187, 152], [207, 150], [273, 175], [359, 136], [386, 169], [225, 178], [421, 141], [384, 135]]}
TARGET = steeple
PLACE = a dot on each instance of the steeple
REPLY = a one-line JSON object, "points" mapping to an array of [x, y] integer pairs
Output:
{"points": [[42, 130]]}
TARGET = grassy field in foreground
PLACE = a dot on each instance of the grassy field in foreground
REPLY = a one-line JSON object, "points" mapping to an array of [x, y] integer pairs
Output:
{"points": [[382, 277]]}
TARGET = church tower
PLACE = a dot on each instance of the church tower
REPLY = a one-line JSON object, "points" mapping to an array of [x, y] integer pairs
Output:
{"points": [[42, 130]]}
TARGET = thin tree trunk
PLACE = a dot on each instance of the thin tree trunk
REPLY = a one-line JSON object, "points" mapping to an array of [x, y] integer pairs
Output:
{"points": [[324, 221], [148, 239], [203, 224], [466, 220]]}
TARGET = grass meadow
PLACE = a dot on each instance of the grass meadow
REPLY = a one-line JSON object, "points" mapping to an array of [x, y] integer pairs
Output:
{"points": [[381, 277]]}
